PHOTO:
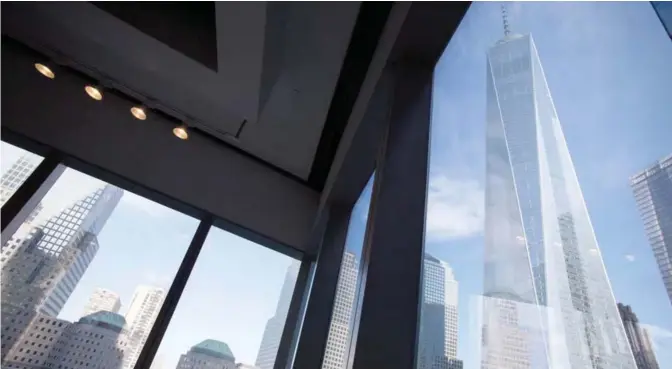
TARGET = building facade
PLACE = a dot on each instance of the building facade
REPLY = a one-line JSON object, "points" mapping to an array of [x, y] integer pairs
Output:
{"points": [[95, 341], [102, 300], [653, 192], [16, 175], [638, 338], [437, 347], [273, 331], [142, 313], [338, 339], [41, 265], [14, 178], [209, 354], [540, 248]]}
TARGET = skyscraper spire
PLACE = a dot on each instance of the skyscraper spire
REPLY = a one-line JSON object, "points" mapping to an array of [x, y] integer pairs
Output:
{"points": [[505, 20]]}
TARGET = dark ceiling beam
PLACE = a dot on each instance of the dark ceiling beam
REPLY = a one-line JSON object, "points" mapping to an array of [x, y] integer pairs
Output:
{"points": [[369, 26], [417, 34]]}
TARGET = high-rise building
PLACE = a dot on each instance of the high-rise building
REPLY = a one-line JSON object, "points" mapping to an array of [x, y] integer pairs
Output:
{"points": [[208, 354], [95, 341], [142, 313], [338, 339], [653, 193], [540, 248], [41, 265], [638, 338], [274, 327], [16, 175], [102, 300], [437, 348]]}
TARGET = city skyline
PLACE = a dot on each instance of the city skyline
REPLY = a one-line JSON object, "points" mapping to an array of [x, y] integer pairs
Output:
{"points": [[453, 236]]}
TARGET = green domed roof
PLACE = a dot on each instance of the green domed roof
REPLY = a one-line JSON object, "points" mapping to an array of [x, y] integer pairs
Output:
{"points": [[106, 319], [214, 348]]}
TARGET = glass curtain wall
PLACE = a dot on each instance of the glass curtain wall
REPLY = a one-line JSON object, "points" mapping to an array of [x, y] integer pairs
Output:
{"points": [[541, 114]]}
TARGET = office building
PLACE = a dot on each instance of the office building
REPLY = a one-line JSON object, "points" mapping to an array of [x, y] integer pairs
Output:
{"points": [[437, 347], [274, 327], [102, 300], [209, 354], [340, 328], [653, 193], [142, 313], [41, 265], [95, 341], [540, 248], [639, 340], [16, 174]]}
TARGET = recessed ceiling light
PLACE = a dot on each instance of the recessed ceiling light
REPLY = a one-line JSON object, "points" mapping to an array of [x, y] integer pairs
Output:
{"points": [[44, 70], [95, 92], [139, 112], [181, 132]]}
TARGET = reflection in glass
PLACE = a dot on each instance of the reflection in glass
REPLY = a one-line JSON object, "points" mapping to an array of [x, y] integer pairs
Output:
{"points": [[71, 267]]}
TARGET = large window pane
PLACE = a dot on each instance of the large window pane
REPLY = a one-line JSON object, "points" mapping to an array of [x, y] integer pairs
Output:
{"points": [[233, 308], [86, 274], [348, 291], [543, 116], [17, 164]]}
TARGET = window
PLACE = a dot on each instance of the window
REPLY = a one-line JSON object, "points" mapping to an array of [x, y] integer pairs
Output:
{"points": [[17, 165], [126, 245], [348, 290], [235, 303], [529, 206]]}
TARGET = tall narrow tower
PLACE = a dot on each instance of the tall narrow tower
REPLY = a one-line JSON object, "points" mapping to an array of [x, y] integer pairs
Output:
{"points": [[142, 313], [275, 325], [540, 249]]}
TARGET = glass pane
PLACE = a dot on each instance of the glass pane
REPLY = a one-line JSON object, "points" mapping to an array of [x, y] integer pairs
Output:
{"points": [[347, 291], [84, 277], [543, 113], [233, 308], [17, 165]]}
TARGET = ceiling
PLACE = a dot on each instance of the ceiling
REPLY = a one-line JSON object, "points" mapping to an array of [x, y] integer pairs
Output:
{"points": [[258, 76]]}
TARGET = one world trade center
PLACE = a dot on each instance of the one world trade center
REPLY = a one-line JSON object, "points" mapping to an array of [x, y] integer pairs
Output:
{"points": [[547, 299]]}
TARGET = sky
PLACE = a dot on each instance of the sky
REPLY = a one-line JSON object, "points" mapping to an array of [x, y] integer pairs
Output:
{"points": [[607, 67]]}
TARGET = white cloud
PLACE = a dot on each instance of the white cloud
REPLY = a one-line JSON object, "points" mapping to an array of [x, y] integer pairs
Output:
{"points": [[630, 257], [146, 206], [455, 208]]}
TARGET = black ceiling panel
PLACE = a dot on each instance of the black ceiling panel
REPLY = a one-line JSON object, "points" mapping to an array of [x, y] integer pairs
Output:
{"points": [[187, 27]]}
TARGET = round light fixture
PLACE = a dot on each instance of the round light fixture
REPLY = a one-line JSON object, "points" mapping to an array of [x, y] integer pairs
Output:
{"points": [[95, 92], [139, 112], [181, 132], [44, 70]]}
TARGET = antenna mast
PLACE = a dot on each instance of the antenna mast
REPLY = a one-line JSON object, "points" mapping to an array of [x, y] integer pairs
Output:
{"points": [[505, 21]]}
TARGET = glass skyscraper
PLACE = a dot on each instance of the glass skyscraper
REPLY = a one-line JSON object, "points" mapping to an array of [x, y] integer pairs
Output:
{"points": [[653, 193], [541, 254], [41, 265], [270, 341]]}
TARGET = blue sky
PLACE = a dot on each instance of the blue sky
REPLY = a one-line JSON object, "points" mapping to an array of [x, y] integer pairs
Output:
{"points": [[607, 66]]}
